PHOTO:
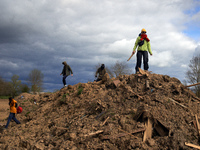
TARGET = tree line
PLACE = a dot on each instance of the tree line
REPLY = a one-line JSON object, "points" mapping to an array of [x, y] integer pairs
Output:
{"points": [[35, 78], [15, 86]]}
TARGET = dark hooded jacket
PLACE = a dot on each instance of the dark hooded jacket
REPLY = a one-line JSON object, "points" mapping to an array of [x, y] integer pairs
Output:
{"points": [[101, 71], [66, 69]]}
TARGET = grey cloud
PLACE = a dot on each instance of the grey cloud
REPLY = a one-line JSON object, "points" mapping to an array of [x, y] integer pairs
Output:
{"points": [[42, 34]]}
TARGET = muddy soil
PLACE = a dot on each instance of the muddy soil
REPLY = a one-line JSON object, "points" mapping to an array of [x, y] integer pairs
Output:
{"points": [[4, 111], [138, 111]]}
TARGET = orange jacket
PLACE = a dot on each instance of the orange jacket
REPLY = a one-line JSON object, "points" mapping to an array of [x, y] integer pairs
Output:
{"points": [[12, 106]]}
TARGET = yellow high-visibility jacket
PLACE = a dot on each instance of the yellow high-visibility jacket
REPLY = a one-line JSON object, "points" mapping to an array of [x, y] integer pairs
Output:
{"points": [[145, 47]]}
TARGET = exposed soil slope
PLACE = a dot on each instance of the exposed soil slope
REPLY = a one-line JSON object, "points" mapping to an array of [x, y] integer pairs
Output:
{"points": [[108, 115]]}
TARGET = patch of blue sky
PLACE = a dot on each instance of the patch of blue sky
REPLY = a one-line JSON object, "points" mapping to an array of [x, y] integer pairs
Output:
{"points": [[193, 27], [193, 10], [192, 31]]}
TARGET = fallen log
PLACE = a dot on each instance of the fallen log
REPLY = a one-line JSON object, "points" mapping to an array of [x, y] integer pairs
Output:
{"points": [[192, 145]]}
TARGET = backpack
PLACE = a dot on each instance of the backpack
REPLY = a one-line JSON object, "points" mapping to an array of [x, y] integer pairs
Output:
{"points": [[19, 110], [141, 43]]}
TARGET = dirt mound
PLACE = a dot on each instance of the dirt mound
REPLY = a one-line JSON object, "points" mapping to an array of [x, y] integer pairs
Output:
{"points": [[138, 111]]}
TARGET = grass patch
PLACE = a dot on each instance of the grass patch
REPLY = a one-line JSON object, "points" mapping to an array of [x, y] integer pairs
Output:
{"points": [[4, 97], [63, 99], [80, 90], [27, 113]]}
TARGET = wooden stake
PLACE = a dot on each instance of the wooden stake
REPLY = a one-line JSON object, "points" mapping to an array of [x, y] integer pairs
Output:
{"points": [[198, 126], [105, 121], [192, 145], [130, 57], [128, 133], [121, 134], [192, 84], [177, 102], [147, 84], [148, 131], [94, 133]]}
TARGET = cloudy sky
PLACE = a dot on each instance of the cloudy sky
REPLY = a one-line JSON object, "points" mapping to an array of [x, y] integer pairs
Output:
{"points": [[41, 34]]}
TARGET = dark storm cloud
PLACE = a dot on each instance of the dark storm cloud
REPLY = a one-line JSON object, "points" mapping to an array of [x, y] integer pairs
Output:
{"points": [[43, 34]]}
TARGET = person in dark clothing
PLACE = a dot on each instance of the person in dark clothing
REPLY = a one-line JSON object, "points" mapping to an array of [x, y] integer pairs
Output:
{"points": [[143, 44], [66, 72], [101, 71], [13, 111]]}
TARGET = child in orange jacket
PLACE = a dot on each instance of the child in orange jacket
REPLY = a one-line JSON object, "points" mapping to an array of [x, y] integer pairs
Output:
{"points": [[13, 111]]}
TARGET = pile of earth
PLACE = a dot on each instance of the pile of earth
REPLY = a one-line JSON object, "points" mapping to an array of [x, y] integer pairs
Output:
{"points": [[138, 111]]}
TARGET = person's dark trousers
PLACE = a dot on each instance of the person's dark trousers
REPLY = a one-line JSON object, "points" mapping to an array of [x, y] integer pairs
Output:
{"points": [[141, 54], [11, 116], [64, 79]]}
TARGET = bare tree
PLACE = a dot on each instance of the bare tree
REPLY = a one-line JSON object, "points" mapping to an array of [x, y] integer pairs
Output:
{"points": [[36, 80], [120, 68], [15, 85], [193, 74]]}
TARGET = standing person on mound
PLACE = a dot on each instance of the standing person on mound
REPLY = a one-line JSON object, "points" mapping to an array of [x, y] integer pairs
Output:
{"points": [[66, 72], [13, 111], [101, 71], [143, 44]]}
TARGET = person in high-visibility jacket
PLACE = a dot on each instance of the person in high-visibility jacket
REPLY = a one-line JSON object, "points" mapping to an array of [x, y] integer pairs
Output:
{"points": [[13, 111], [143, 44]]}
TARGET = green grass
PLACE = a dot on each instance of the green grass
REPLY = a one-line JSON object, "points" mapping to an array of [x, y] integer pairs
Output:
{"points": [[4, 97], [27, 113], [80, 89]]}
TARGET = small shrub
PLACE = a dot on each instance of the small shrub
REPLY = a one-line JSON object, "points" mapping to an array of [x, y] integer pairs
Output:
{"points": [[80, 91], [27, 113], [63, 99]]}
